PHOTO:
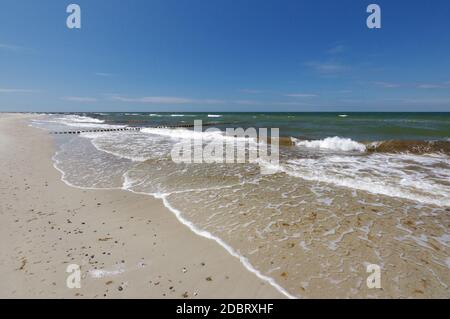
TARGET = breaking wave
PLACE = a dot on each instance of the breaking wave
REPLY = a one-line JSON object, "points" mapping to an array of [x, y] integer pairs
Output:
{"points": [[332, 143]]}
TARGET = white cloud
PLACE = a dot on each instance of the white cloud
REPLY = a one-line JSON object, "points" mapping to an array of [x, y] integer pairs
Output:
{"points": [[247, 102], [82, 99], [301, 95], [10, 47], [388, 85], [336, 49], [327, 68], [250, 91], [165, 100], [425, 101], [10, 90], [428, 86], [103, 74], [434, 85]]}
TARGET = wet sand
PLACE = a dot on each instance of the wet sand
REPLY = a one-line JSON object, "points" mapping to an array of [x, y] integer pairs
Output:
{"points": [[127, 245]]}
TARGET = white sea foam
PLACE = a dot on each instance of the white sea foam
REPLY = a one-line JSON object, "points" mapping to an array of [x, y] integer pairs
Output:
{"points": [[206, 234], [64, 179], [332, 143], [444, 240], [81, 119], [181, 133], [228, 248], [121, 154], [347, 171], [134, 146], [182, 115], [82, 122], [93, 125], [385, 174], [214, 115]]}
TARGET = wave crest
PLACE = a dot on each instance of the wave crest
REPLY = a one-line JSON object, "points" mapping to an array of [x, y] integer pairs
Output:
{"points": [[332, 143]]}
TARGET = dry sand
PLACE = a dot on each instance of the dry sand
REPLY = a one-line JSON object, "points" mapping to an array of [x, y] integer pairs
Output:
{"points": [[145, 252]]}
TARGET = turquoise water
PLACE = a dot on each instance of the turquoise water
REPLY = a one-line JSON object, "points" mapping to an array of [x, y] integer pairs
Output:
{"points": [[357, 126], [311, 223]]}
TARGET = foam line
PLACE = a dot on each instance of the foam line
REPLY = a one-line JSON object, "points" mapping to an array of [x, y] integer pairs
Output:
{"points": [[244, 261], [370, 187], [332, 143], [63, 177], [203, 233]]}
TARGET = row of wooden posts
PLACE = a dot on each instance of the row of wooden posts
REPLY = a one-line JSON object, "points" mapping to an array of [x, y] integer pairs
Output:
{"points": [[130, 128]]}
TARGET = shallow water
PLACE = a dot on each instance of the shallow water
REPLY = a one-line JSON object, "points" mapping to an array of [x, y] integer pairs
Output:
{"points": [[312, 227]]}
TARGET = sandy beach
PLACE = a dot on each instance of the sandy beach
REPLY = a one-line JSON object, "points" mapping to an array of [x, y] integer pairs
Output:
{"points": [[127, 245]]}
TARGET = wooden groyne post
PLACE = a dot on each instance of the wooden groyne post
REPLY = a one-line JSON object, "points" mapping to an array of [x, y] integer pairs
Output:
{"points": [[133, 128]]}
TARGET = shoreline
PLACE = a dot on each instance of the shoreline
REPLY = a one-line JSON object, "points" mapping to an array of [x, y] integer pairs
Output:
{"points": [[47, 225], [193, 228]]}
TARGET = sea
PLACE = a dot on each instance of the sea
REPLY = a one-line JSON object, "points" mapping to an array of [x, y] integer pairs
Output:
{"points": [[350, 190]]}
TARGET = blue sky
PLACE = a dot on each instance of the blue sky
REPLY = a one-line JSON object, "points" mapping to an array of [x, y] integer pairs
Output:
{"points": [[223, 55]]}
